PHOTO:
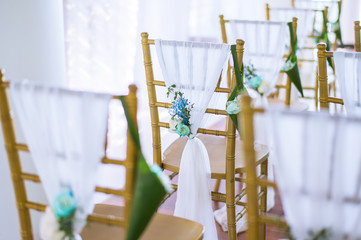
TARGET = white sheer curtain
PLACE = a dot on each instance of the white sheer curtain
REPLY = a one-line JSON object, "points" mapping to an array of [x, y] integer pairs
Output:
{"points": [[195, 69], [264, 46], [348, 72], [318, 172], [65, 131]]}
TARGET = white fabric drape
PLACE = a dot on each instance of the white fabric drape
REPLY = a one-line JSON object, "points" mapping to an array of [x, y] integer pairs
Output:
{"points": [[318, 172], [264, 46], [65, 131], [195, 69], [348, 72]]}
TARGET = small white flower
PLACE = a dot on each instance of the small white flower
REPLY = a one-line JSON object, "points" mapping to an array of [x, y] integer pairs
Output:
{"points": [[264, 87], [173, 122], [49, 226]]}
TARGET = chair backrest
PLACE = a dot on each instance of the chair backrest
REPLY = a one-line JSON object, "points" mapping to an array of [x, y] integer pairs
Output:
{"points": [[357, 30], [155, 104], [304, 16], [318, 169], [295, 25], [265, 41], [257, 217], [19, 177]]}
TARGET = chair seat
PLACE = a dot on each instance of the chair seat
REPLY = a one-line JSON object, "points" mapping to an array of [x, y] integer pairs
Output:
{"points": [[297, 106], [161, 227], [216, 147]]}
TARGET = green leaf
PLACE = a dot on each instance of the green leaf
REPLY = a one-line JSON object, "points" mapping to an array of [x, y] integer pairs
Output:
{"points": [[293, 73], [239, 85], [148, 190]]}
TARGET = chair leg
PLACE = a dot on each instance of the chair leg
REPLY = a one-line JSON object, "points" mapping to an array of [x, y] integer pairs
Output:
{"points": [[231, 208], [231, 220], [264, 172]]}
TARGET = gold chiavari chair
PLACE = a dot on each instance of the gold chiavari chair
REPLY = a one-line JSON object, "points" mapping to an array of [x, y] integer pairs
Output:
{"points": [[357, 30], [287, 102], [270, 11], [107, 221], [223, 147], [257, 215]]}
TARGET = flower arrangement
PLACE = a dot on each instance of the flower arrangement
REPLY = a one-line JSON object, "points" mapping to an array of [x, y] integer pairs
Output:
{"points": [[234, 106], [180, 112], [254, 81], [57, 223]]}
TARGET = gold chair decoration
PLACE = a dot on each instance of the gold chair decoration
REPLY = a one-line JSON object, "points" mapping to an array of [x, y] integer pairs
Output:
{"points": [[224, 153]]}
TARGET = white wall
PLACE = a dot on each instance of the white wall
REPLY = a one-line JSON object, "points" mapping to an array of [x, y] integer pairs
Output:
{"points": [[32, 47]]}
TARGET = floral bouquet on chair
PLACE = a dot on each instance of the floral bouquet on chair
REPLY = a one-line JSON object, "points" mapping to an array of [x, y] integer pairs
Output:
{"points": [[180, 112], [254, 81], [58, 221]]}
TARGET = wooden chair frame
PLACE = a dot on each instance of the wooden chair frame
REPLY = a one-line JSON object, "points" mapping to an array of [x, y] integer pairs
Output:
{"points": [[230, 198], [324, 98], [357, 28], [19, 177], [257, 213]]}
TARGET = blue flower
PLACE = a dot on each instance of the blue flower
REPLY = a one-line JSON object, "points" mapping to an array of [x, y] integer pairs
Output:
{"points": [[182, 130], [233, 107], [64, 204], [254, 82]]}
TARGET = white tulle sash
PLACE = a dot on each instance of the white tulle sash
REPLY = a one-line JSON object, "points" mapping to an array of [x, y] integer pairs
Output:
{"points": [[194, 195]]}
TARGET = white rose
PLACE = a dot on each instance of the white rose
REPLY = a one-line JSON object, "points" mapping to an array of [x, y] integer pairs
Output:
{"points": [[49, 226], [173, 123], [264, 87]]}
